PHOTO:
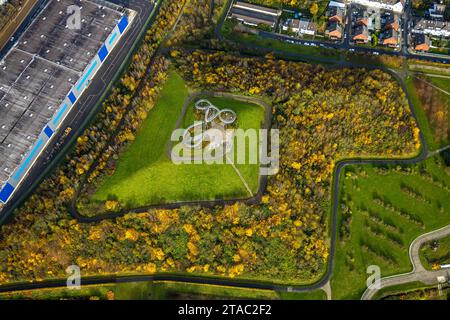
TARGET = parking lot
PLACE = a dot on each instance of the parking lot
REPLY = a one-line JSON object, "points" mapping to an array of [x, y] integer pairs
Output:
{"points": [[38, 73]]}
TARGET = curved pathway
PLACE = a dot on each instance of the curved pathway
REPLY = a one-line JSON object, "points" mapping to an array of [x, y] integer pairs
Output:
{"points": [[435, 152], [419, 273]]}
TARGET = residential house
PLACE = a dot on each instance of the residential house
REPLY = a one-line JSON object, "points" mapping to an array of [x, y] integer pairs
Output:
{"points": [[361, 34], [390, 38], [391, 21], [334, 30], [336, 14], [360, 16], [292, 24], [421, 42], [307, 27]]}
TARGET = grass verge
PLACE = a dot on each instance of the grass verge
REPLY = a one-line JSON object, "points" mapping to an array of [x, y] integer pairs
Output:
{"points": [[381, 211]]}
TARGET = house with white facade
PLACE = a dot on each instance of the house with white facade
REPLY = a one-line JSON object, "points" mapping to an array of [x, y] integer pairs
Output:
{"points": [[392, 5], [292, 25], [307, 27]]}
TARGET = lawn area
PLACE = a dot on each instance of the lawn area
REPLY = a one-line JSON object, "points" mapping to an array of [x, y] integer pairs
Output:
{"points": [[421, 115], [443, 83], [436, 252], [313, 295], [159, 290], [145, 174], [412, 291], [440, 46], [99, 292], [145, 290], [440, 50], [382, 210], [420, 68], [249, 116]]}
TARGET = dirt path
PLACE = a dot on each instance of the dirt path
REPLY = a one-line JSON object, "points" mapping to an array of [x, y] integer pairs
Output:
{"points": [[437, 75], [433, 86], [244, 182], [327, 289], [433, 153]]}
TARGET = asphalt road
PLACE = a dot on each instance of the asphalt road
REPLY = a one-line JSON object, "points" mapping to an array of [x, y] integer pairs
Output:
{"points": [[87, 105], [419, 273], [346, 46]]}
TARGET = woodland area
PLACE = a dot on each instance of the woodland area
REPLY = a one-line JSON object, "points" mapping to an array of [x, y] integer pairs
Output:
{"points": [[324, 115], [197, 23], [8, 10]]}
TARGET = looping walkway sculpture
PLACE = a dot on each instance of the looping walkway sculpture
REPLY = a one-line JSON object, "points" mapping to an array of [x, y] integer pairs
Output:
{"points": [[212, 113]]}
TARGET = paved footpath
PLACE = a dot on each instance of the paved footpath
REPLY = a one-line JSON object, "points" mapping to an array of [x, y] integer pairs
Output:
{"points": [[419, 273]]}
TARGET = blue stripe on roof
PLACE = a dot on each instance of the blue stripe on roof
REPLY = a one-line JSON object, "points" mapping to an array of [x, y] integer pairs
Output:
{"points": [[91, 69], [6, 192], [72, 97], [60, 113], [30, 156], [123, 23], [113, 37], [48, 131], [103, 53]]}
